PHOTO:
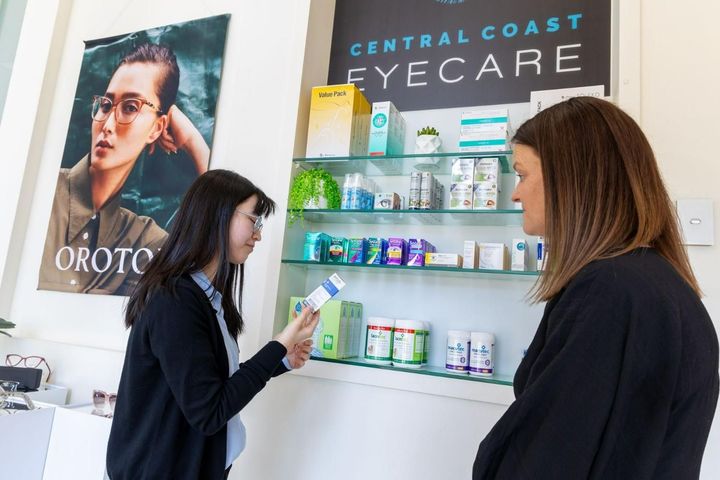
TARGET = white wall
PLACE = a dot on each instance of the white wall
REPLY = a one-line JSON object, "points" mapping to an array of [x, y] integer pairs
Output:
{"points": [[301, 427]]}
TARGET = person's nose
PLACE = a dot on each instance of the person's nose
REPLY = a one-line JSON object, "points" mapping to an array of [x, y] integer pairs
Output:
{"points": [[257, 235], [515, 196], [110, 122]]}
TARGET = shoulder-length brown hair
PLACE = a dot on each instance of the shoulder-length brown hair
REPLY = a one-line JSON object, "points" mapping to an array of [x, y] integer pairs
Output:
{"points": [[603, 192]]}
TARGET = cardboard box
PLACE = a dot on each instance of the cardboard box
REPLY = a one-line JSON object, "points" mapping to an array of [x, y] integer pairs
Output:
{"points": [[493, 256], [339, 122], [470, 254], [387, 130], [337, 330]]}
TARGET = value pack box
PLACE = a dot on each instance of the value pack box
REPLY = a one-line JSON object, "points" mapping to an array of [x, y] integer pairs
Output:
{"points": [[339, 122], [387, 130], [338, 329]]}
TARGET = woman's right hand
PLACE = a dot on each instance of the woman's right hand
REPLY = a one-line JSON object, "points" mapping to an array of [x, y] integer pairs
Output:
{"points": [[300, 329]]}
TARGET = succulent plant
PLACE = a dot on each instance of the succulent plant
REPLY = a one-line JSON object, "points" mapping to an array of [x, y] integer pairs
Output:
{"points": [[428, 131]]}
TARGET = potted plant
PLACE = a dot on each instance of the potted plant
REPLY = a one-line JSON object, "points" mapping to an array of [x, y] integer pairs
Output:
{"points": [[4, 324], [427, 141], [313, 189]]}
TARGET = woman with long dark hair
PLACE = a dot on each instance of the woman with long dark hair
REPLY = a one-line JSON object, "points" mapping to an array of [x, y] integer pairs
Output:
{"points": [[181, 389], [621, 379]]}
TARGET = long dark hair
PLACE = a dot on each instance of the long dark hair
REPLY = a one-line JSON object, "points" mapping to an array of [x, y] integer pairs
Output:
{"points": [[604, 195], [199, 235]]}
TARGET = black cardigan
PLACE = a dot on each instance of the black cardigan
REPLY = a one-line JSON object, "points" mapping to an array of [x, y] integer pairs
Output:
{"points": [[175, 397], [620, 381]]}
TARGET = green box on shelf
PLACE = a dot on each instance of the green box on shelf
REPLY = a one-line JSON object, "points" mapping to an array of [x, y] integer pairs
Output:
{"points": [[337, 330]]}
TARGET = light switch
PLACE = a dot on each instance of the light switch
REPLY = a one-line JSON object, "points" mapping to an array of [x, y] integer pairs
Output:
{"points": [[696, 221]]}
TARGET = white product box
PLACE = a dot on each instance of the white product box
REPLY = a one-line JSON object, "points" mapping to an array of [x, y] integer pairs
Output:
{"points": [[484, 131], [443, 259], [387, 201], [331, 286], [462, 170], [470, 254], [461, 196], [519, 255], [493, 256], [387, 130], [485, 196]]}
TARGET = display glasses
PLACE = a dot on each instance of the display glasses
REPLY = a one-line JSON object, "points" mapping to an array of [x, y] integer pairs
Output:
{"points": [[32, 361], [126, 111], [104, 402]]}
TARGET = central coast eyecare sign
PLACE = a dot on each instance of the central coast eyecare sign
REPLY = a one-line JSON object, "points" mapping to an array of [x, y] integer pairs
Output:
{"points": [[425, 54]]}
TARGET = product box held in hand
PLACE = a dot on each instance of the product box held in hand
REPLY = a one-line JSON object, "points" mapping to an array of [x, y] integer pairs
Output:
{"points": [[338, 332]]}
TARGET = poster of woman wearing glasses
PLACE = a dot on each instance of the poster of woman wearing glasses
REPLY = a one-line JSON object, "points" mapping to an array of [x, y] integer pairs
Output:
{"points": [[140, 133]]}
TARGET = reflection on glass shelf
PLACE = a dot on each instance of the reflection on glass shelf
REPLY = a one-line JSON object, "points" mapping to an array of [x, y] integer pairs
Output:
{"points": [[427, 370], [411, 217], [406, 268], [438, 163]]}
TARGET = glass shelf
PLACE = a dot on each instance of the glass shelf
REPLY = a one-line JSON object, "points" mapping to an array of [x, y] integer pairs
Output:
{"points": [[426, 370], [437, 163], [406, 268], [413, 217]]}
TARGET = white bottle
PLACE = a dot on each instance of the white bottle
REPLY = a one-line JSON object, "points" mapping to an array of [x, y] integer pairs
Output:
{"points": [[482, 353], [379, 340], [458, 351], [408, 343]]}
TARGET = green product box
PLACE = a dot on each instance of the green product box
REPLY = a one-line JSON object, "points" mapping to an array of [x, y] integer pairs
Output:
{"points": [[337, 253], [335, 332]]}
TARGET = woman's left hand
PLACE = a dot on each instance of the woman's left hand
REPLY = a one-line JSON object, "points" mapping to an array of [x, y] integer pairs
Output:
{"points": [[180, 133], [300, 354]]}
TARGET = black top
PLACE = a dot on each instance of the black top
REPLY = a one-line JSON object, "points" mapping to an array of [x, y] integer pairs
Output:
{"points": [[620, 381], [175, 397]]}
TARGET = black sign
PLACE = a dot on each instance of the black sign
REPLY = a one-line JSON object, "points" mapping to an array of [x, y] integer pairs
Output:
{"points": [[424, 54]]}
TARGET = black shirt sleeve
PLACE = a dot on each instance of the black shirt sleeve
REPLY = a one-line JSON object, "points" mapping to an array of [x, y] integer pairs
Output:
{"points": [[180, 334]]}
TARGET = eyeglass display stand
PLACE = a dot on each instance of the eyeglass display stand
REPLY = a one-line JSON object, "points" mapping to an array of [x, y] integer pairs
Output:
{"points": [[51, 443], [48, 393]]}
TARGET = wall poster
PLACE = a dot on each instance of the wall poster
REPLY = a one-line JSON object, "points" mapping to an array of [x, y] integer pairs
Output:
{"points": [[140, 132]]}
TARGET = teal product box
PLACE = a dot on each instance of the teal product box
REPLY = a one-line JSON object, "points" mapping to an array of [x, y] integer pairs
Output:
{"points": [[387, 130], [376, 251], [337, 251], [317, 247], [357, 250]]}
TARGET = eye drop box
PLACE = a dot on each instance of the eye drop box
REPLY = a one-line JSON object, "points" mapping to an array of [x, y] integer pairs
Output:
{"points": [[397, 251], [484, 131], [322, 294], [332, 336], [461, 196], [376, 251], [519, 255], [417, 248], [443, 260], [339, 122], [462, 170], [337, 249], [414, 196], [357, 249], [316, 248], [387, 130], [493, 256], [470, 254], [387, 201]]}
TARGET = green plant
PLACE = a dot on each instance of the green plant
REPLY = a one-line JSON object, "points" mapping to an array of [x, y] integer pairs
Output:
{"points": [[4, 324], [309, 186], [428, 131]]}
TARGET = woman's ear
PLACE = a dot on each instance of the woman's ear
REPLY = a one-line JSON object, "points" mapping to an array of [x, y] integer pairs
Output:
{"points": [[158, 128]]}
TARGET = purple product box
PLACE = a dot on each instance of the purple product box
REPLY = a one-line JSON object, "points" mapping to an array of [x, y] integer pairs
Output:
{"points": [[417, 248], [396, 251]]}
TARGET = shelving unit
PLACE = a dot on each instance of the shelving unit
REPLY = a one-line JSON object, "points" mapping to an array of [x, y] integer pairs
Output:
{"points": [[491, 298]]}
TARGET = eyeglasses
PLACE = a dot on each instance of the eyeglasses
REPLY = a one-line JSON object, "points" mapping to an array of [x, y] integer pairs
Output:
{"points": [[257, 221], [15, 360], [102, 399], [126, 111]]}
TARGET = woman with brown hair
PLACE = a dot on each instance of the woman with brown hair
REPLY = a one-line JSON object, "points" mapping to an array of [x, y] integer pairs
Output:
{"points": [[621, 379]]}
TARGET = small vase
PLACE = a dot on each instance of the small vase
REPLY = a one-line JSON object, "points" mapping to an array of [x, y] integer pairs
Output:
{"points": [[427, 144], [316, 203]]}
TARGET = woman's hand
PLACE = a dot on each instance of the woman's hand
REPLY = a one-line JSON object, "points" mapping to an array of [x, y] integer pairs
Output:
{"points": [[300, 354], [299, 330], [181, 134]]}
